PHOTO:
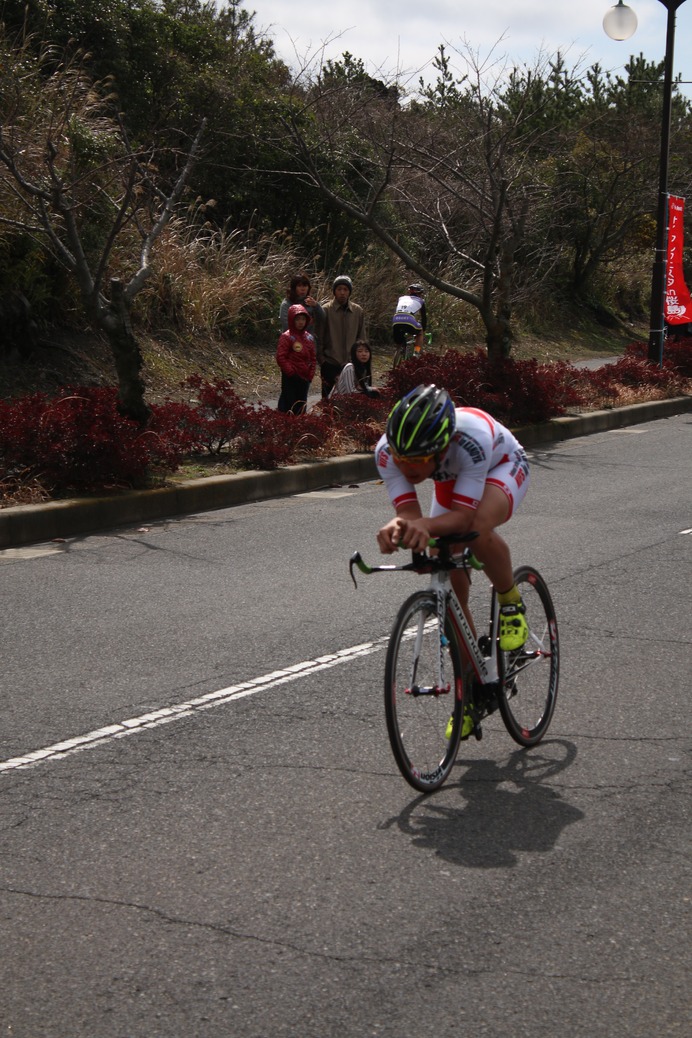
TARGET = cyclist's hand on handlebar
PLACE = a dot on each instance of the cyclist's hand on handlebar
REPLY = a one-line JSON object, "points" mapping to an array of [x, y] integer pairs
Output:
{"points": [[389, 537], [413, 534], [404, 533]]}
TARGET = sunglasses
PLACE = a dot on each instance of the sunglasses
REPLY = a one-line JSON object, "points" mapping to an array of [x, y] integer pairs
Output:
{"points": [[422, 460]]}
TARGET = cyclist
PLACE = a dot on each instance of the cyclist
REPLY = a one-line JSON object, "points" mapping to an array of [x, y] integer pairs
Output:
{"points": [[410, 317], [480, 474]]}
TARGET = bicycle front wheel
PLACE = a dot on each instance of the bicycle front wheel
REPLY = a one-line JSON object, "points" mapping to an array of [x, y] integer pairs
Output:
{"points": [[529, 677], [423, 694]]}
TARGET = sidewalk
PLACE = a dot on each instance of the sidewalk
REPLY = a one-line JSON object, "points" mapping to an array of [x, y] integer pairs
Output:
{"points": [[29, 524]]}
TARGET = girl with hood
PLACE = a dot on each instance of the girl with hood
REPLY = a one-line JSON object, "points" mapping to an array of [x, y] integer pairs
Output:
{"points": [[297, 358]]}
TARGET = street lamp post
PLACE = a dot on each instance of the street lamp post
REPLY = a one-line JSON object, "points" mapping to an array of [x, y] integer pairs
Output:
{"points": [[619, 23]]}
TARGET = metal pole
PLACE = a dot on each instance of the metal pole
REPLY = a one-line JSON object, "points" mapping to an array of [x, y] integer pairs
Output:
{"points": [[658, 279]]}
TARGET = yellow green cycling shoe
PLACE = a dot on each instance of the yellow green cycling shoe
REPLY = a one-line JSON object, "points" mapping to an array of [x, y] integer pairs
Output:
{"points": [[466, 727], [514, 629]]}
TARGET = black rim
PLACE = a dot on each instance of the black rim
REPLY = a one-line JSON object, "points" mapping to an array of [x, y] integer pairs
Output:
{"points": [[530, 676]]}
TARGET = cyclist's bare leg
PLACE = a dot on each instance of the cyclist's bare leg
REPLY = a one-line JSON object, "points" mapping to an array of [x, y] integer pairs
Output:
{"points": [[461, 582], [489, 548]]}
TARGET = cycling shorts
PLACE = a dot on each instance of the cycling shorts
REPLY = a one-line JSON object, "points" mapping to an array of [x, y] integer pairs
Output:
{"points": [[511, 476], [403, 325]]}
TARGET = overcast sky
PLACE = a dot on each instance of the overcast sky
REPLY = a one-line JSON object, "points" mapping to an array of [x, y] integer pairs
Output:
{"points": [[405, 34]]}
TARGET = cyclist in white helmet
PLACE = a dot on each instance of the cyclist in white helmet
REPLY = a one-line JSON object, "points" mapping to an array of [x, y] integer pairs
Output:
{"points": [[410, 317]]}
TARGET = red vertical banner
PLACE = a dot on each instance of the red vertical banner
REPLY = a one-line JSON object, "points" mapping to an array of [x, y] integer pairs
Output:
{"points": [[678, 303]]}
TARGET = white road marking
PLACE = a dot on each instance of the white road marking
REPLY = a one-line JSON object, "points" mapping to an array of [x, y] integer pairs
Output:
{"points": [[132, 725], [685, 531], [12, 554], [327, 493]]}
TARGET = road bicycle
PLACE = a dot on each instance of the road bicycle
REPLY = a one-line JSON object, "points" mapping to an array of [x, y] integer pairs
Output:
{"points": [[408, 348], [438, 673]]}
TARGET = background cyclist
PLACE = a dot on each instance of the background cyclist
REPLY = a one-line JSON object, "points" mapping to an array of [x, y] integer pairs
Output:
{"points": [[480, 474], [410, 317]]}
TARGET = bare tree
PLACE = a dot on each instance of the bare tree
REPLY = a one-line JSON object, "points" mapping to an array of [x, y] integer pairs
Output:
{"points": [[453, 184], [69, 174]]}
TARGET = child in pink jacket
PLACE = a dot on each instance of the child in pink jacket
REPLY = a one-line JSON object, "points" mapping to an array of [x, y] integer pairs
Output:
{"points": [[297, 358]]}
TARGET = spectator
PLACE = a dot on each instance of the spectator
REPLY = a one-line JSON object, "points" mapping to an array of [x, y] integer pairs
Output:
{"points": [[356, 377], [297, 358], [299, 291], [344, 325]]}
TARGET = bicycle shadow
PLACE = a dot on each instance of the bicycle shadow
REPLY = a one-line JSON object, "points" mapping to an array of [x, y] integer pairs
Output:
{"points": [[496, 824]]}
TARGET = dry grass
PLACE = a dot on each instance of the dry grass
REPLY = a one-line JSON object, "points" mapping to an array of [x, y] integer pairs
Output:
{"points": [[211, 308], [626, 395], [19, 490]]}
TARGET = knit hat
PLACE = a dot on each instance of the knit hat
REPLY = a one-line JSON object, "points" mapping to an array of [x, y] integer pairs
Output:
{"points": [[342, 280]]}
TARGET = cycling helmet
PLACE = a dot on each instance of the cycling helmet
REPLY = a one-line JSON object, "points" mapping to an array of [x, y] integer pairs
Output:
{"points": [[421, 423], [416, 290]]}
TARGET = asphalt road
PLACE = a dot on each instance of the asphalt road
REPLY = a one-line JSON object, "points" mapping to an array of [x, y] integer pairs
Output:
{"points": [[202, 828]]}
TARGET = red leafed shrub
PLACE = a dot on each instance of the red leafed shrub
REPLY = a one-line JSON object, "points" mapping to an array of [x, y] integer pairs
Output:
{"points": [[217, 414], [464, 375], [359, 418], [78, 440], [270, 438], [516, 392], [175, 427], [635, 372], [74, 441], [677, 354], [206, 424], [536, 392]]}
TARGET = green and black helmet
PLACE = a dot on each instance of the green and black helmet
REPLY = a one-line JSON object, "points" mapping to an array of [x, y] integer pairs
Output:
{"points": [[422, 423]]}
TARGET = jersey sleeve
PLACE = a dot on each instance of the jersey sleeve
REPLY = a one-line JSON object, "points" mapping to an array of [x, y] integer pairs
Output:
{"points": [[400, 491]]}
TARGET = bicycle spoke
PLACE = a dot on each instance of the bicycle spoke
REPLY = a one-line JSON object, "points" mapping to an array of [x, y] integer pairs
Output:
{"points": [[421, 694]]}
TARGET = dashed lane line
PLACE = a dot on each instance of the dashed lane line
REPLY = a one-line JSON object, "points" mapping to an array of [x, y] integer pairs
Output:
{"points": [[157, 718]]}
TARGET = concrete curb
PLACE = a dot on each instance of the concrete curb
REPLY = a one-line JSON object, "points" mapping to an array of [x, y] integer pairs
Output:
{"points": [[29, 524], [602, 421]]}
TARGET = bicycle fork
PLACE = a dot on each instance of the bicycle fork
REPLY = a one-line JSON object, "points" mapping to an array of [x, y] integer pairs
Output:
{"points": [[484, 664], [442, 686]]}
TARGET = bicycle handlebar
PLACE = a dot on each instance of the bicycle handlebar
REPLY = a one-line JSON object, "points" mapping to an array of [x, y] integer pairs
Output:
{"points": [[420, 562]]}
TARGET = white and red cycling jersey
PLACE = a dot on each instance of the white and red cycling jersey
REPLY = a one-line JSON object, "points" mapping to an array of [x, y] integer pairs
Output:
{"points": [[481, 451]]}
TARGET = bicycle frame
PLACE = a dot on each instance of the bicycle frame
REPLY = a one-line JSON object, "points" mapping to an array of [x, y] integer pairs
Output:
{"points": [[485, 667]]}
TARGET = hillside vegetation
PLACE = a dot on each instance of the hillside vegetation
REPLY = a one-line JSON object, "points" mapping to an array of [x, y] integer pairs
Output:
{"points": [[163, 174]]}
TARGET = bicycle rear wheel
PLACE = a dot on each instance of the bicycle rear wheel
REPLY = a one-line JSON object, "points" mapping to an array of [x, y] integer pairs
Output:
{"points": [[404, 351], [418, 706], [399, 355], [529, 677]]}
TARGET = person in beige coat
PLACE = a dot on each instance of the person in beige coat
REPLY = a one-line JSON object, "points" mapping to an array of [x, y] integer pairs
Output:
{"points": [[344, 324]]}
